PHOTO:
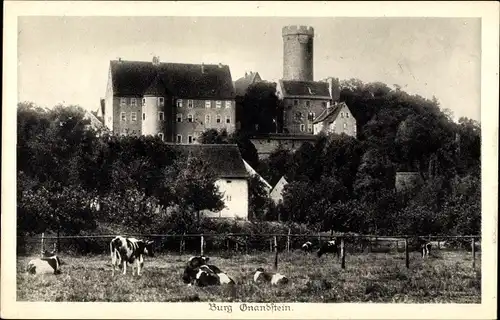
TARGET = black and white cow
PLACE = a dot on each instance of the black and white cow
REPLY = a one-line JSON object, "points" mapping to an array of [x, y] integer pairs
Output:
{"points": [[424, 247], [331, 246], [307, 246], [129, 250], [199, 273], [49, 263], [262, 276]]}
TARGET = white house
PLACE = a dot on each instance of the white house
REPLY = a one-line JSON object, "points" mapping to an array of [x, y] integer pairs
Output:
{"points": [[277, 193], [232, 176], [336, 119]]}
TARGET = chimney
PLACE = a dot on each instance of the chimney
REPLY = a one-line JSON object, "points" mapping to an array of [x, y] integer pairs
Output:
{"points": [[220, 65], [202, 67]]}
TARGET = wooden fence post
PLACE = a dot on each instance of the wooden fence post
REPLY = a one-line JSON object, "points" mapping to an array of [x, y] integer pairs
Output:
{"points": [[270, 245], [407, 255], [42, 247], [319, 239], [276, 254], [201, 244], [246, 244], [473, 254], [181, 246], [288, 241], [342, 253]]}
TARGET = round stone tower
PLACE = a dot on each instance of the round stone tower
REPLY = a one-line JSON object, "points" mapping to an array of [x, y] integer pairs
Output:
{"points": [[298, 53]]}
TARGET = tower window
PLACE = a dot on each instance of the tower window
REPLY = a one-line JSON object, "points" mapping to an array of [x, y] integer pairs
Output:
{"points": [[309, 128], [190, 139], [179, 138], [190, 118], [179, 117], [161, 115], [133, 116], [179, 103], [161, 136], [302, 128]]}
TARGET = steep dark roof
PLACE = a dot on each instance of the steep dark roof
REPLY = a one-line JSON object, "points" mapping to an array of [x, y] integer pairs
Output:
{"points": [[135, 78], [224, 159], [311, 89], [241, 85], [331, 114]]}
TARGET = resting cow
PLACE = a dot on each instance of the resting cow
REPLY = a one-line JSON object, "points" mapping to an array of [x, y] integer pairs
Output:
{"points": [[129, 250], [48, 264], [329, 247], [307, 246], [200, 273], [261, 276]]}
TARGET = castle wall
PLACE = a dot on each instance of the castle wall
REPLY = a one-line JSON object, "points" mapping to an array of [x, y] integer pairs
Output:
{"points": [[296, 113], [298, 53]]}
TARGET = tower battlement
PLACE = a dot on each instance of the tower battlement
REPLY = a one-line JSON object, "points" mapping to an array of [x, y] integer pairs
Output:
{"points": [[296, 30]]}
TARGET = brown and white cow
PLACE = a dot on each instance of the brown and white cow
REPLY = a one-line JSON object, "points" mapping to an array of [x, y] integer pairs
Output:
{"points": [[199, 273], [129, 250], [262, 276]]}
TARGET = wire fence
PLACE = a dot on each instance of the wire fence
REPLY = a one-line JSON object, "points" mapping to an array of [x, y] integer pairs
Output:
{"points": [[227, 244]]}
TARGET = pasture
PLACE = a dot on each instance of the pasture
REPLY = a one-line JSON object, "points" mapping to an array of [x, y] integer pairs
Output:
{"points": [[446, 277]]}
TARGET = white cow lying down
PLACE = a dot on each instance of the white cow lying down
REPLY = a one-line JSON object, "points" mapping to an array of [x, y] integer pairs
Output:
{"points": [[44, 265]]}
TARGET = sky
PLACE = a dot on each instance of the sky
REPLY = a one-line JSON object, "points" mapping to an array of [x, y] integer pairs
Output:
{"points": [[66, 59]]}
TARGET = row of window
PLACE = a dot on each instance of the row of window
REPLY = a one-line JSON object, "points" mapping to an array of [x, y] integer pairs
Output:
{"points": [[308, 103], [180, 103], [178, 139], [208, 118], [133, 116]]}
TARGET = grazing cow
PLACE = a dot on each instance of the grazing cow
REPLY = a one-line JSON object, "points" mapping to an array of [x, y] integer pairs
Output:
{"points": [[424, 247], [261, 276], [49, 263], [329, 247], [198, 272], [127, 250], [307, 246]]}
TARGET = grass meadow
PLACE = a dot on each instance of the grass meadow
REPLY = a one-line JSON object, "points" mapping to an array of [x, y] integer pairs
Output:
{"points": [[446, 277]]}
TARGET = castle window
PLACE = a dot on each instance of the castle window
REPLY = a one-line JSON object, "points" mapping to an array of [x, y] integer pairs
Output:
{"points": [[228, 119], [133, 116], [123, 117], [190, 139], [228, 104], [179, 103], [161, 136], [309, 128], [143, 116], [161, 101], [302, 128], [179, 138], [133, 102], [190, 104], [161, 115], [208, 104], [179, 117], [207, 119], [123, 102], [218, 104], [190, 118], [295, 102], [218, 119], [324, 104], [308, 103], [143, 101]]}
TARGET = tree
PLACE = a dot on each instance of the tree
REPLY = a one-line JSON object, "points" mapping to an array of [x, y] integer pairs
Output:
{"points": [[258, 198], [260, 108]]}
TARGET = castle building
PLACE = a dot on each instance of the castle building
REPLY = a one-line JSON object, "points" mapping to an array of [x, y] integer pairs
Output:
{"points": [[241, 85], [174, 101]]}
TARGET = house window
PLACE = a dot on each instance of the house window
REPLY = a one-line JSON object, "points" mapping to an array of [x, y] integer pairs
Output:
{"points": [[218, 119], [345, 126], [218, 104], [302, 128], [308, 103], [161, 136], [208, 104], [123, 102], [133, 102], [179, 117], [228, 119], [228, 104], [143, 101], [161, 101], [161, 115], [190, 118], [133, 116], [295, 102], [341, 114], [324, 104], [190, 139], [207, 119], [228, 198], [190, 104], [143, 116], [354, 129], [347, 114], [309, 128], [179, 138], [122, 116], [179, 103]]}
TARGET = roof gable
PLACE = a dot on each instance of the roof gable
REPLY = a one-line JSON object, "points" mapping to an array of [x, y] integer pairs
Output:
{"points": [[311, 89], [135, 78], [224, 159], [241, 85]]}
